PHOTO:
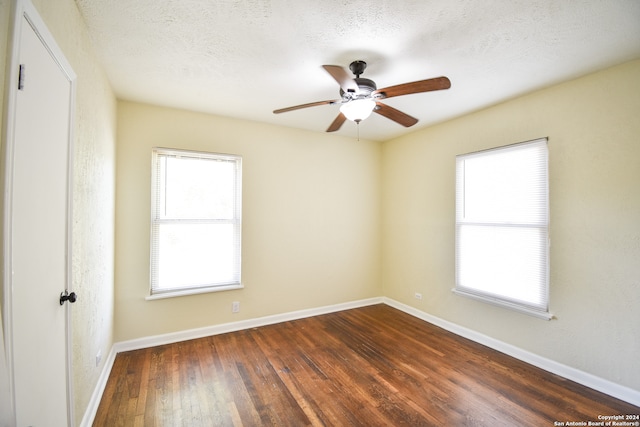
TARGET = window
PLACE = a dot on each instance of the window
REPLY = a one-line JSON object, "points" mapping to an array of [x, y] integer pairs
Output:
{"points": [[195, 222], [502, 226]]}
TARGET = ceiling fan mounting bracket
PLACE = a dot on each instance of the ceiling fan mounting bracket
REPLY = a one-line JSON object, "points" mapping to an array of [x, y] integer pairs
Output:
{"points": [[357, 67]]}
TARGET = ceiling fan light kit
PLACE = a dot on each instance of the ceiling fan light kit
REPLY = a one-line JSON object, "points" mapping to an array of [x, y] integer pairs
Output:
{"points": [[359, 97], [358, 109]]}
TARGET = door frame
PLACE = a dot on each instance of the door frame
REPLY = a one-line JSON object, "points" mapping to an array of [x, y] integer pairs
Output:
{"points": [[24, 9]]}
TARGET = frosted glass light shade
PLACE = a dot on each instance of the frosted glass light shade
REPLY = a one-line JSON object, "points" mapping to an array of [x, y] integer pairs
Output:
{"points": [[358, 109]]}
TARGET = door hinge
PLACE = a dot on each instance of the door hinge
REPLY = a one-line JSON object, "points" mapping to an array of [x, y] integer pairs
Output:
{"points": [[21, 77]]}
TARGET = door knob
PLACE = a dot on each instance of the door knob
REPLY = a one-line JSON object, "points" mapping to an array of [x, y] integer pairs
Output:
{"points": [[66, 296]]}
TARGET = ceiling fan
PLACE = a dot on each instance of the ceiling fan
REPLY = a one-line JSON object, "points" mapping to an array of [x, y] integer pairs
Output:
{"points": [[359, 97]]}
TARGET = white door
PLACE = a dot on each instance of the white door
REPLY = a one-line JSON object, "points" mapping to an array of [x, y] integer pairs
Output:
{"points": [[40, 230]]}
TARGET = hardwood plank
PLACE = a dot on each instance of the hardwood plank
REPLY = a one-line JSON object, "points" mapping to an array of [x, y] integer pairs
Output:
{"points": [[372, 366]]}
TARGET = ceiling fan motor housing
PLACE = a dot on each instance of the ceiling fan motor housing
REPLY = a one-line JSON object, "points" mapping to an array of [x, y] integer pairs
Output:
{"points": [[365, 86]]}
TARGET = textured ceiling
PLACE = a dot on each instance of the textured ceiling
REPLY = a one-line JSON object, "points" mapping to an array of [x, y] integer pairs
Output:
{"points": [[245, 58]]}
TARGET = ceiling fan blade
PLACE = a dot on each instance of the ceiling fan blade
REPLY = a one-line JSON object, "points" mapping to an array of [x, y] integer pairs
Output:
{"points": [[311, 104], [395, 115], [337, 123], [344, 79], [428, 85]]}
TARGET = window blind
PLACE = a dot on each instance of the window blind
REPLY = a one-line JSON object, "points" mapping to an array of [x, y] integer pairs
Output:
{"points": [[195, 220], [502, 223]]}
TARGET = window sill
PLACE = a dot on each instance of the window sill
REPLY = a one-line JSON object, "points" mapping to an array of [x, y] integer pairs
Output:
{"points": [[186, 292], [504, 304]]}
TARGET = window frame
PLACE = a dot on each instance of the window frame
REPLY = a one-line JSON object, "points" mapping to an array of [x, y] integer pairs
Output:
{"points": [[538, 310], [156, 220]]}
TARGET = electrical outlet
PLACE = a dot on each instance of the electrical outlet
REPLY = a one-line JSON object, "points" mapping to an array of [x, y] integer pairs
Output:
{"points": [[98, 358], [417, 295], [235, 306]]}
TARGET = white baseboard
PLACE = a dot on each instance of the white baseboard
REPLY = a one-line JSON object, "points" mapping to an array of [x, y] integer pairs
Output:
{"points": [[238, 326], [605, 386], [190, 334], [92, 408], [589, 380]]}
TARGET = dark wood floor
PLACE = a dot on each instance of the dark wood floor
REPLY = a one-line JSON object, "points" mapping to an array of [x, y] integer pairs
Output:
{"points": [[372, 366]]}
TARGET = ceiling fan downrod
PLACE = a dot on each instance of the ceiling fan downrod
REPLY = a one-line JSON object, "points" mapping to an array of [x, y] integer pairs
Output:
{"points": [[365, 86]]}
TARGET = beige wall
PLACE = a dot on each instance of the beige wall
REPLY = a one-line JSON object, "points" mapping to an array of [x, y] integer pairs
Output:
{"points": [[594, 150], [311, 229], [93, 199]]}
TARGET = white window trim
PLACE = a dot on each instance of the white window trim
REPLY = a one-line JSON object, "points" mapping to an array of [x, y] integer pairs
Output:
{"points": [[497, 301], [155, 294], [504, 304], [193, 291]]}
